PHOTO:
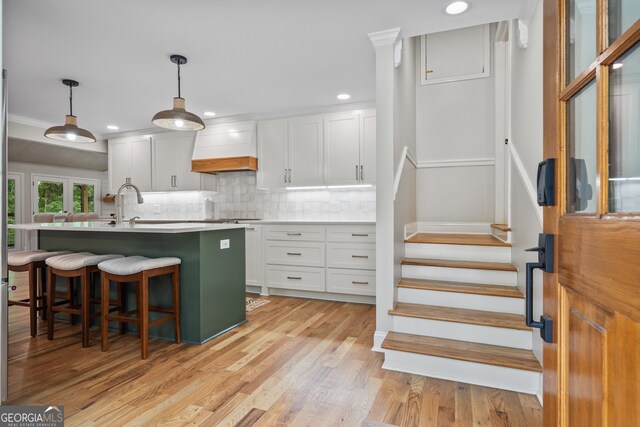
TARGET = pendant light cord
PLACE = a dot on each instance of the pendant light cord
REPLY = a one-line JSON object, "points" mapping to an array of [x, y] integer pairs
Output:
{"points": [[71, 100], [179, 80]]}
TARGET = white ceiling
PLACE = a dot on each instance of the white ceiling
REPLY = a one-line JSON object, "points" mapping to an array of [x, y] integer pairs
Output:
{"points": [[245, 57]]}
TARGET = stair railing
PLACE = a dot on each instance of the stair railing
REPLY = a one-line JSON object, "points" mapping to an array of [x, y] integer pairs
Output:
{"points": [[406, 154]]}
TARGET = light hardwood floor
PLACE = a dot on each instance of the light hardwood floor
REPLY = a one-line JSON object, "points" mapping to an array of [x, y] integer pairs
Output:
{"points": [[296, 362]]}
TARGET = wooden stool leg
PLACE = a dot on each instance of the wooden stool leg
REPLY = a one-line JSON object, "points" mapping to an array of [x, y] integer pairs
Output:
{"points": [[43, 292], [175, 279], [85, 281], [104, 310], [51, 299], [71, 296], [144, 315], [122, 325], [139, 304], [33, 300]]}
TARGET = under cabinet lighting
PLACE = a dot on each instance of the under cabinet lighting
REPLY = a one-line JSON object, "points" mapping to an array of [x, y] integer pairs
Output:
{"points": [[350, 186], [329, 187], [317, 187], [457, 7]]}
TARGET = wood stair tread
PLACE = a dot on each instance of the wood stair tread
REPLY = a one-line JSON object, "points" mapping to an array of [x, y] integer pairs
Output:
{"points": [[461, 287], [461, 350], [460, 315], [457, 239], [478, 265], [501, 227]]}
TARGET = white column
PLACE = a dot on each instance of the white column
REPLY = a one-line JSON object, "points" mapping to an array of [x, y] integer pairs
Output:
{"points": [[383, 43]]}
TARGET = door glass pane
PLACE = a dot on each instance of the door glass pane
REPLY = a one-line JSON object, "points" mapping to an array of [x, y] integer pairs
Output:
{"points": [[624, 134], [83, 200], [11, 212], [581, 151], [622, 15], [50, 197], [581, 36]]}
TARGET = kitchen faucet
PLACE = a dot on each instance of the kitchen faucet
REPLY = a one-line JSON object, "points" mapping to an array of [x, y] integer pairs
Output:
{"points": [[120, 209]]}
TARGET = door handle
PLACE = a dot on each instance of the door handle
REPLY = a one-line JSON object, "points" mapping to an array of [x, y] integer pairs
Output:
{"points": [[289, 176], [545, 262], [355, 282], [175, 181]]}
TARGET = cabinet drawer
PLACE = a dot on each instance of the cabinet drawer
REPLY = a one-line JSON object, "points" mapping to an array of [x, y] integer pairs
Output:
{"points": [[298, 278], [355, 282], [310, 254], [351, 255], [295, 232], [359, 234]]}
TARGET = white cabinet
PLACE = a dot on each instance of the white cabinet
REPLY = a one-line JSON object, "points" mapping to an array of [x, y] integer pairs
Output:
{"points": [[171, 170], [290, 152], [350, 148], [253, 253], [130, 158]]}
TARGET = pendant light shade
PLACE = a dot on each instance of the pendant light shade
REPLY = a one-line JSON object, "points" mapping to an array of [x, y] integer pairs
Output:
{"points": [[70, 131], [178, 118]]}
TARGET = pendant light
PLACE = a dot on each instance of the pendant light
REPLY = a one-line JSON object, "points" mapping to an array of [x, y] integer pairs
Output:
{"points": [[178, 118], [70, 131]]}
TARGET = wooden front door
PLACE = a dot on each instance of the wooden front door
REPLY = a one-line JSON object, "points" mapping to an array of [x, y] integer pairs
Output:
{"points": [[592, 126]]}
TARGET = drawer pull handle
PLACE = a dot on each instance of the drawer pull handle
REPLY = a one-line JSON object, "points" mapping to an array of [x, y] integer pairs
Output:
{"points": [[359, 235], [250, 228], [355, 282], [359, 256], [294, 234], [294, 253], [294, 278]]}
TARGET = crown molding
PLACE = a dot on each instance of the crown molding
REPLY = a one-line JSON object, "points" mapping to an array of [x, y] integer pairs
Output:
{"points": [[384, 38], [29, 121]]}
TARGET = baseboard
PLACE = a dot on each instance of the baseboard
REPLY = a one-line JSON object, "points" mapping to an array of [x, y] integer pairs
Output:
{"points": [[410, 230], [453, 227], [252, 289], [327, 296], [378, 338]]}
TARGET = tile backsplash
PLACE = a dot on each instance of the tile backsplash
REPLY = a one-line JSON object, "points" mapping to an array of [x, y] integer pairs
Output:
{"points": [[238, 197]]}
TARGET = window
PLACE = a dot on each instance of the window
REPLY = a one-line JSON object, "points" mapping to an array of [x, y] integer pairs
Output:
{"points": [[57, 194]]}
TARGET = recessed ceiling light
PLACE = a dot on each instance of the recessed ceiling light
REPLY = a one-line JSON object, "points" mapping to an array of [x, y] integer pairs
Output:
{"points": [[344, 96], [209, 113], [617, 65], [457, 7], [112, 127]]}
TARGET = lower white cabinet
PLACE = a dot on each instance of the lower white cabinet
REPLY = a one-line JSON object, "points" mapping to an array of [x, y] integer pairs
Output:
{"points": [[253, 252], [335, 259]]}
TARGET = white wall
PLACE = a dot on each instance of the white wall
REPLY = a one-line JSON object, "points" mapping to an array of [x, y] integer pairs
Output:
{"points": [[404, 134], [455, 121], [527, 140]]}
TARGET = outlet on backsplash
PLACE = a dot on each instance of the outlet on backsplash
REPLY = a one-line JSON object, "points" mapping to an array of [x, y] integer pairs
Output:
{"points": [[334, 206]]}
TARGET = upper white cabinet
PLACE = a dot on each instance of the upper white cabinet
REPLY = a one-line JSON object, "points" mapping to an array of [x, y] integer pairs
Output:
{"points": [[290, 152], [350, 148], [171, 153], [454, 55], [130, 158]]}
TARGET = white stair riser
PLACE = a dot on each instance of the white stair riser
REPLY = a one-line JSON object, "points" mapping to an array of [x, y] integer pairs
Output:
{"points": [[462, 300], [462, 371], [464, 332], [468, 275], [458, 252]]}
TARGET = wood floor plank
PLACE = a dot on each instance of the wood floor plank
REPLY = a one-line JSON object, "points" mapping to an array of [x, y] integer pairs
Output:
{"points": [[476, 265], [300, 359], [461, 287], [457, 239], [460, 315]]}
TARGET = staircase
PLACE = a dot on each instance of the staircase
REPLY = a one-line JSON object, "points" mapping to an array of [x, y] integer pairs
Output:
{"points": [[459, 315]]}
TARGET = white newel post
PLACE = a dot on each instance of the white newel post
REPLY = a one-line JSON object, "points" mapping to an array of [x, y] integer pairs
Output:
{"points": [[383, 43]]}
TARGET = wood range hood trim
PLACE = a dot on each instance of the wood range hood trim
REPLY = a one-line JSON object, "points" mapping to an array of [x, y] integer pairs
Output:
{"points": [[224, 164]]}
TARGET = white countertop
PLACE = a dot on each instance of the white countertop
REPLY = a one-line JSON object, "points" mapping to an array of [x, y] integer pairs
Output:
{"points": [[126, 228], [313, 222]]}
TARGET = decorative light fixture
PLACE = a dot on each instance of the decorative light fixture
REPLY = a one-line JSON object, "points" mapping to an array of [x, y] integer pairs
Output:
{"points": [[457, 7], [178, 118], [70, 131]]}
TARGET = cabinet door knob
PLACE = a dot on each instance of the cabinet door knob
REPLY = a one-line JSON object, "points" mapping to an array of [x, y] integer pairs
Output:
{"points": [[359, 235], [294, 234]]}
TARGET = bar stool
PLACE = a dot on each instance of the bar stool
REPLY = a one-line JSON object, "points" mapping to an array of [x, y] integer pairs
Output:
{"points": [[140, 269], [76, 265], [32, 261]]}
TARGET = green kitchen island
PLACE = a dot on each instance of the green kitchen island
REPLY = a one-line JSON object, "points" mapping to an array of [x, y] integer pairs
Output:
{"points": [[212, 280]]}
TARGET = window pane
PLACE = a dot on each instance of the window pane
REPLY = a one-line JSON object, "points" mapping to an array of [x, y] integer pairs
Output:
{"points": [[581, 151], [11, 212], [581, 36], [83, 201], [50, 198], [624, 134], [622, 15]]}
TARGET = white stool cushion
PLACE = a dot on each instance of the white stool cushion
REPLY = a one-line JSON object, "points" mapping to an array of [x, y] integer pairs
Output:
{"points": [[136, 264], [22, 258], [78, 260]]}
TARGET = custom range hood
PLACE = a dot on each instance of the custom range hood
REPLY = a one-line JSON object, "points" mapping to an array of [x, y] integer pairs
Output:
{"points": [[226, 148]]}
